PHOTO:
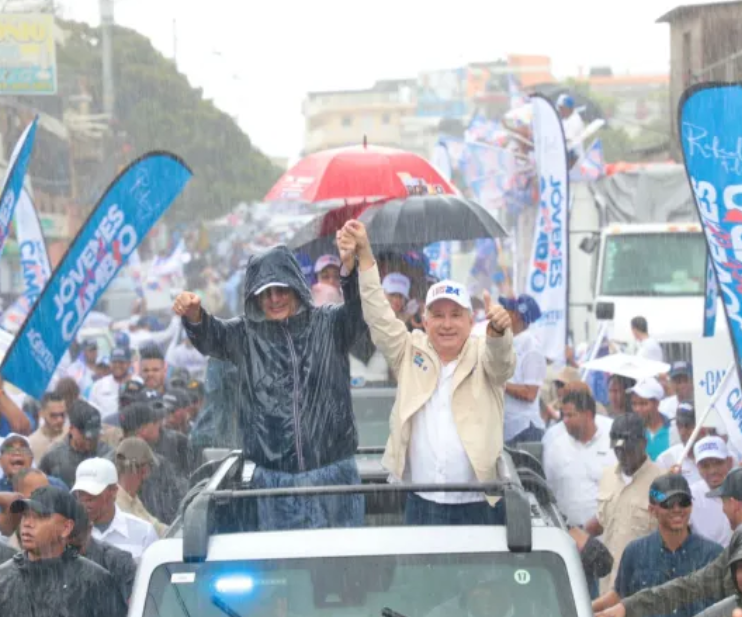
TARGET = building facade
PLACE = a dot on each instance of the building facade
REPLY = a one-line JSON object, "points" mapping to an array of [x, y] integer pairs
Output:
{"points": [[705, 45]]}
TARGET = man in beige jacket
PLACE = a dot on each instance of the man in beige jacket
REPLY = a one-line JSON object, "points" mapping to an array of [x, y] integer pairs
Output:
{"points": [[447, 421]]}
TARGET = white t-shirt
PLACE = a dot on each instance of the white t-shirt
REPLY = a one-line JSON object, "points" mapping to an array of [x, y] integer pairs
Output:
{"points": [[708, 518], [104, 395], [530, 369], [650, 349]]}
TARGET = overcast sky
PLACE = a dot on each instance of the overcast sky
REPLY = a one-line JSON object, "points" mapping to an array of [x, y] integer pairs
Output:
{"points": [[258, 59]]}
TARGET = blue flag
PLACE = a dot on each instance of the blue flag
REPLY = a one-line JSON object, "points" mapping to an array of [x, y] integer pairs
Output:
{"points": [[135, 200], [13, 183], [711, 134]]}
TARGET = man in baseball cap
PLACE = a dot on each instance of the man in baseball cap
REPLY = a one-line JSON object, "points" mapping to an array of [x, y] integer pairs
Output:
{"points": [[134, 463], [429, 366], [714, 464], [623, 511], [96, 488], [83, 442], [645, 401], [177, 403], [47, 578], [523, 421], [672, 551]]}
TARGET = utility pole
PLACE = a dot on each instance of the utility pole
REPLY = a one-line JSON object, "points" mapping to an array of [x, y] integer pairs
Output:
{"points": [[106, 26]]}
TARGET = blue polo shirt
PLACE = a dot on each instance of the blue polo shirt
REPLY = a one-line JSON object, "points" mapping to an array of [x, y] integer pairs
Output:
{"points": [[647, 562]]}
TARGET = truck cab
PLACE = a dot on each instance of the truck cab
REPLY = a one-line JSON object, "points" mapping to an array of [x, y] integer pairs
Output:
{"points": [[656, 270]]}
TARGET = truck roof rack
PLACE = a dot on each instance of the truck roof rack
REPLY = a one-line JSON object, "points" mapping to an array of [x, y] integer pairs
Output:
{"points": [[199, 523]]}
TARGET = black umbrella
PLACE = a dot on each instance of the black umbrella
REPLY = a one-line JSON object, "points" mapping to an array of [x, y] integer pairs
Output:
{"points": [[403, 223]]}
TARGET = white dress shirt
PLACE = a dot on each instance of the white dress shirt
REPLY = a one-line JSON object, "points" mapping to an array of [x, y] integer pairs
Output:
{"points": [[436, 454], [707, 517], [530, 370], [573, 471], [129, 533]]}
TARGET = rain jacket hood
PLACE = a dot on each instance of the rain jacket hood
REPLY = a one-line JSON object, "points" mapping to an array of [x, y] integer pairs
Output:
{"points": [[277, 265], [293, 404], [69, 586]]}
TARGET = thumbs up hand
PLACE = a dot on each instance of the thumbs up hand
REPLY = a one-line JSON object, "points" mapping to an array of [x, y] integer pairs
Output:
{"points": [[498, 317]]}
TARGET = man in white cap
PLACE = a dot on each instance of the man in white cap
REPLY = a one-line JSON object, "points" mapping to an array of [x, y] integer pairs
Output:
{"points": [[96, 488], [714, 463], [645, 402], [447, 420]]}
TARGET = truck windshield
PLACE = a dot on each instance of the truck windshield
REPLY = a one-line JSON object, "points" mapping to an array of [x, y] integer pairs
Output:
{"points": [[654, 264], [469, 585]]}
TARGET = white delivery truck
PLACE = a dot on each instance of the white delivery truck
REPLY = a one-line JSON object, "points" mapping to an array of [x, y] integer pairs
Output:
{"points": [[637, 249]]}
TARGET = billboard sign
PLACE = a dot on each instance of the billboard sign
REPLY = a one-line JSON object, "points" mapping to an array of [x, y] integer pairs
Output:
{"points": [[28, 63]]}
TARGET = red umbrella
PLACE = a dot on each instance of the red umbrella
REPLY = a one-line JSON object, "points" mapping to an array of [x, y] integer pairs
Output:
{"points": [[368, 172]]}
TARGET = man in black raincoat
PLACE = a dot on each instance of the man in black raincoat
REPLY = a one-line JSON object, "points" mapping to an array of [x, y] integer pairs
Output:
{"points": [[294, 407], [728, 606], [50, 579]]}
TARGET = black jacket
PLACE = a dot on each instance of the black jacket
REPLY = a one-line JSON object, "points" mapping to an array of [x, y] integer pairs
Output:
{"points": [[6, 552], [119, 564], [62, 461], [295, 411], [70, 586]]}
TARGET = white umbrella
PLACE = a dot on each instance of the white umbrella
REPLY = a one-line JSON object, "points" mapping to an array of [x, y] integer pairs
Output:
{"points": [[634, 367]]}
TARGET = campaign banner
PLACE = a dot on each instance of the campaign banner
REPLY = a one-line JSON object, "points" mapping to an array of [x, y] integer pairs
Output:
{"points": [[13, 183], [548, 276], [711, 135], [34, 262], [123, 216], [711, 294], [727, 403]]}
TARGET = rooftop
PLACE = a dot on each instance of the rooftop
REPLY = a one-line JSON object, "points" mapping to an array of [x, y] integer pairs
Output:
{"points": [[679, 12]]}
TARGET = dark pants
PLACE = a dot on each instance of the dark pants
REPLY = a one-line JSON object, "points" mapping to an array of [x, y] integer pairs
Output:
{"points": [[421, 511], [310, 512], [532, 433]]}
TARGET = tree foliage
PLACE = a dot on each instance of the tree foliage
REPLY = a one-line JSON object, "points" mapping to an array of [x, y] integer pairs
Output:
{"points": [[156, 108]]}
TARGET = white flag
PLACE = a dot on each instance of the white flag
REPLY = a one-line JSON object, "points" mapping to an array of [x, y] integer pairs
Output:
{"points": [[548, 275], [34, 259], [727, 402]]}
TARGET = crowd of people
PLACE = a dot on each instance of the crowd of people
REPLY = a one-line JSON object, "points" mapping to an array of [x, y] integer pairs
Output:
{"points": [[97, 472]]}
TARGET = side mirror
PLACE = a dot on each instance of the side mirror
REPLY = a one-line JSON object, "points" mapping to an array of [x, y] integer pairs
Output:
{"points": [[589, 244], [605, 311]]}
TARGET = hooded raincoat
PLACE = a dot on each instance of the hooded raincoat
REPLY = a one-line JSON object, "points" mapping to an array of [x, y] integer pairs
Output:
{"points": [[727, 605], [69, 586], [294, 412]]}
